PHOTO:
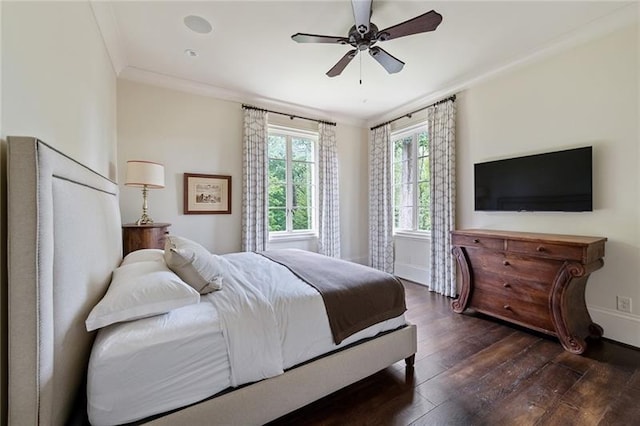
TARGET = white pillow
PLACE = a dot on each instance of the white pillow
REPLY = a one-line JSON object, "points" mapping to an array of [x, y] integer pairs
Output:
{"points": [[193, 263], [143, 255], [140, 290]]}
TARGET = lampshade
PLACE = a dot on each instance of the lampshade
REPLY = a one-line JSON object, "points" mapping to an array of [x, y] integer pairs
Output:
{"points": [[141, 173]]}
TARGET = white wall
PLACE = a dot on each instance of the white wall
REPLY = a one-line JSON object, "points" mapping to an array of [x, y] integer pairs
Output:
{"points": [[199, 134], [585, 96], [56, 83]]}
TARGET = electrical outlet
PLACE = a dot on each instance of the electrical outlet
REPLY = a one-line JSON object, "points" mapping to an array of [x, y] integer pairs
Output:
{"points": [[623, 304]]}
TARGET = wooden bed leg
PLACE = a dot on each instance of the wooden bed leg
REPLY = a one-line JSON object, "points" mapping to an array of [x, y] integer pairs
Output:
{"points": [[410, 361]]}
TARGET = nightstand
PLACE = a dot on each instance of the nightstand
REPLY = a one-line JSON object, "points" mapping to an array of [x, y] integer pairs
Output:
{"points": [[136, 237]]}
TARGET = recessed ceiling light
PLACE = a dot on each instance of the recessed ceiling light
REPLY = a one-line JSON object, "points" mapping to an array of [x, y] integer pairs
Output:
{"points": [[198, 24], [190, 52]]}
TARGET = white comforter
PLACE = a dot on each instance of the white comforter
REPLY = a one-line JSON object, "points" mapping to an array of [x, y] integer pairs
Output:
{"points": [[265, 320]]}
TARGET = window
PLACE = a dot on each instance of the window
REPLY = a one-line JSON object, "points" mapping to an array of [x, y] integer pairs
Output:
{"points": [[411, 179], [292, 181]]}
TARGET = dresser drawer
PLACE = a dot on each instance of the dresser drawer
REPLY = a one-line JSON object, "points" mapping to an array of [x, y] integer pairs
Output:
{"points": [[535, 315], [512, 266], [548, 250], [529, 291], [479, 242]]}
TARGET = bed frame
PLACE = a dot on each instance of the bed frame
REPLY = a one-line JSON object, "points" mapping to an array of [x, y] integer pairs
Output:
{"points": [[64, 241]]}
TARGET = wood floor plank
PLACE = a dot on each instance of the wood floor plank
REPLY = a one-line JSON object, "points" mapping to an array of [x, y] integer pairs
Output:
{"points": [[593, 393], [530, 400], [563, 414]]}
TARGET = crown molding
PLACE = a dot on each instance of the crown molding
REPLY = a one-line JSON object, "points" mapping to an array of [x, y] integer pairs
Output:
{"points": [[624, 16], [108, 26]]}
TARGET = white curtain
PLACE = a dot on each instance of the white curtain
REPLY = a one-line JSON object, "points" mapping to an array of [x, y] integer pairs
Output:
{"points": [[442, 131], [328, 195], [380, 199], [255, 202]]}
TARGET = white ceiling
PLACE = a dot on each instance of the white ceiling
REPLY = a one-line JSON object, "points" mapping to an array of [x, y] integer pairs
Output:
{"points": [[249, 55]]}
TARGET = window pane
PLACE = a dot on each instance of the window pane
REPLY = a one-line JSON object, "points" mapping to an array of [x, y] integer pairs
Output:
{"points": [[406, 195], [423, 168], [424, 219], [397, 173], [423, 194], [277, 195], [277, 171], [277, 220], [302, 173], [302, 196], [277, 146], [301, 149], [301, 219], [397, 196], [397, 150], [405, 219], [423, 144]]}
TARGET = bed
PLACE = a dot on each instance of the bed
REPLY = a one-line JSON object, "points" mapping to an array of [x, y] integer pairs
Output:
{"points": [[64, 243]]}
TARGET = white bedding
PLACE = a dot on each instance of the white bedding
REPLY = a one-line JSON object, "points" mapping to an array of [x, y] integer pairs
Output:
{"points": [[157, 364]]}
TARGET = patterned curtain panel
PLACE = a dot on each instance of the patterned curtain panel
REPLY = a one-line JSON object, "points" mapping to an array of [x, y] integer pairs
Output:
{"points": [[328, 195], [255, 229], [380, 200], [442, 131]]}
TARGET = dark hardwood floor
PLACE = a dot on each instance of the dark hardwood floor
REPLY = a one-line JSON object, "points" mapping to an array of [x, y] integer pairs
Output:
{"points": [[473, 370]]}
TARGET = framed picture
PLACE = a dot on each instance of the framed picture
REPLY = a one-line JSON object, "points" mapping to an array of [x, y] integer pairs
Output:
{"points": [[207, 194]]}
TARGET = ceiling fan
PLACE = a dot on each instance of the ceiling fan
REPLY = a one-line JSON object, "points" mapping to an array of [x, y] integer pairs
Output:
{"points": [[365, 34]]}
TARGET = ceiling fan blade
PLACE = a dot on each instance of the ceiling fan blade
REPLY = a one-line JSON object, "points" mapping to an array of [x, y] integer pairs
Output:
{"points": [[313, 38], [420, 24], [342, 63], [388, 61], [362, 15]]}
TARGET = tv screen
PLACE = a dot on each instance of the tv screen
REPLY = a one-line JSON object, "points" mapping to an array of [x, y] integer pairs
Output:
{"points": [[553, 181]]}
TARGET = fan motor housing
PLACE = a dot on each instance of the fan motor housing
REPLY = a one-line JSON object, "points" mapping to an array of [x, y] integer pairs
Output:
{"points": [[363, 41]]}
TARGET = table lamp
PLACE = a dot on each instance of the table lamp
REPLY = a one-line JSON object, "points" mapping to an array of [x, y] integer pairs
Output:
{"points": [[145, 174]]}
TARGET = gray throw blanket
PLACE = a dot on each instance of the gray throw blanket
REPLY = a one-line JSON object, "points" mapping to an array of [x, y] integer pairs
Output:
{"points": [[355, 296]]}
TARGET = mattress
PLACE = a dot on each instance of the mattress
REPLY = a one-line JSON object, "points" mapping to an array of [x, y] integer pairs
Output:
{"points": [[154, 365]]}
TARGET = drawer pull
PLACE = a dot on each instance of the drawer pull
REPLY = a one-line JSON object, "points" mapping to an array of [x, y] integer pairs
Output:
{"points": [[541, 249], [505, 263], [476, 241], [507, 307], [506, 285]]}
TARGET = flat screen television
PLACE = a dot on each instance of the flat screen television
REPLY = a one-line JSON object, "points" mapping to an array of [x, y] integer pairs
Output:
{"points": [[553, 181]]}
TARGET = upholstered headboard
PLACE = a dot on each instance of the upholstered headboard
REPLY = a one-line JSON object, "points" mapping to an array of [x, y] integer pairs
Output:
{"points": [[64, 234]]}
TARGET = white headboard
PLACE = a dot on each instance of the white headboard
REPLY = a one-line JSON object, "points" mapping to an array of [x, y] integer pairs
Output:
{"points": [[65, 239]]}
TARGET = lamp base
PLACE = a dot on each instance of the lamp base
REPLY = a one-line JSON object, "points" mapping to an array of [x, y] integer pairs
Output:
{"points": [[144, 220]]}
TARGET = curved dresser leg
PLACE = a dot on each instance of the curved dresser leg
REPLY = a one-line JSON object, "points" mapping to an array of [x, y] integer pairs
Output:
{"points": [[460, 304], [595, 331], [573, 344]]}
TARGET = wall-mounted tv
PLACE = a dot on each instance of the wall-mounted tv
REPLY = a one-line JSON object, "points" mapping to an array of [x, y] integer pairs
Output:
{"points": [[553, 181]]}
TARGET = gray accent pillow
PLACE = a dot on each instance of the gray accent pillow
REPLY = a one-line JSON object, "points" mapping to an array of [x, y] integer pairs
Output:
{"points": [[193, 263]]}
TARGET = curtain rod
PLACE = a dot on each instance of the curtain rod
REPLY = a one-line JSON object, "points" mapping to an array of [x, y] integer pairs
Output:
{"points": [[408, 115], [291, 116]]}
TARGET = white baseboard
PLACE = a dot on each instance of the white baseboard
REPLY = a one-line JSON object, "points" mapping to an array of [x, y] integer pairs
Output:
{"points": [[413, 273], [618, 326]]}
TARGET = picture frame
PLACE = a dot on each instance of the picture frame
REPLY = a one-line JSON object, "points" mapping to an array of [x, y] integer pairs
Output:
{"points": [[207, 194]]}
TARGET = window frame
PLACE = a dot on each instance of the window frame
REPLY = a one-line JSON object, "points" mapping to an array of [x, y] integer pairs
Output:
{"points": [[289, 233], [412, 130]]}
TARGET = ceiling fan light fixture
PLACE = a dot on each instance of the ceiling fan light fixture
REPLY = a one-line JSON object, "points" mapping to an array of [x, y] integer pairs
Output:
{"points": [[365, 34], [198, 24]]}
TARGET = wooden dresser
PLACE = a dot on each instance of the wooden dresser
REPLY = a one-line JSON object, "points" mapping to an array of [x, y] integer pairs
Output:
{"points": [[136, 237], [534, 280]]}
